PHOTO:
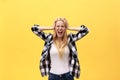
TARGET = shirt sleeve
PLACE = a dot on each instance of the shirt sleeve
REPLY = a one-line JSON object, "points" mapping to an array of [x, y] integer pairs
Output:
{"points": [[35, 29], [83, 31]]}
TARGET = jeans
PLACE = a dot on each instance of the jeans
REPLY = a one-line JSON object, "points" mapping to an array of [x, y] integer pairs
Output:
{"points": [[65, 76]]}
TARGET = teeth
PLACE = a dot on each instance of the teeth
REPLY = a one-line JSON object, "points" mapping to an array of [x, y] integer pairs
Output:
{"points": [[60, 32]]}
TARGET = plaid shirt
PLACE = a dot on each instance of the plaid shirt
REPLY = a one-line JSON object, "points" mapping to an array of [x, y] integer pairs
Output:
{"points": [[45, 56]]}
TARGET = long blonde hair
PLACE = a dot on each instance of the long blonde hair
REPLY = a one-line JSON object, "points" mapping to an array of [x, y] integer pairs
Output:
{"points": [[60, 50]]}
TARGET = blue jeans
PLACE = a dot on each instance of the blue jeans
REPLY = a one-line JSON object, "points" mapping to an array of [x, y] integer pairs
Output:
{"points": [[65, 76]]}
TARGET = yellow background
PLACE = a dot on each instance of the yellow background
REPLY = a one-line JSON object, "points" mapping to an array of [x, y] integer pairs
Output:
{"points": [[20, 49]]}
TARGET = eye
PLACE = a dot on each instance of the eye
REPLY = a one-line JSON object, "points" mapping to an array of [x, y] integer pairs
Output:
{"points": [[62, 26], [57, 26]]}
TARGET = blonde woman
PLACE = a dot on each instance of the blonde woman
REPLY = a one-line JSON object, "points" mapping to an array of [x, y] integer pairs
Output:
{"points": [[59, 57]]}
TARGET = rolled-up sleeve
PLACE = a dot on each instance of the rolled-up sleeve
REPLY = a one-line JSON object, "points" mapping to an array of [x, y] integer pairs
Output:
{"points": [[35, 29], [80, 34]]}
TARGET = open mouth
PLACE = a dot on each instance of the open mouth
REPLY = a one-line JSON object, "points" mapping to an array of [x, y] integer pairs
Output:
{"points": [[60, 32]]}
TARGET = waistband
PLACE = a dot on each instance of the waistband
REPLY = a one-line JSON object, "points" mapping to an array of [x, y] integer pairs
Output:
{"points": [[59, 75]]}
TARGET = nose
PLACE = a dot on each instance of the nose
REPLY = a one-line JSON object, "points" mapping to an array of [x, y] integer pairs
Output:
{"points": [[60, 27]]}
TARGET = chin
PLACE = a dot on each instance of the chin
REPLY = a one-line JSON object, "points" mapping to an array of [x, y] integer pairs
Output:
{"points": [[59, 36]]}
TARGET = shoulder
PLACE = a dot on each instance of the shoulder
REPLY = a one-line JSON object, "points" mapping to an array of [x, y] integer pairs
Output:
{"points": [[70, 37], [49, 37]]}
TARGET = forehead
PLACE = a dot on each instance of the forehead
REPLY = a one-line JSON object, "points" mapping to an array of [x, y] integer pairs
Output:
{"points": [[59, 22]]}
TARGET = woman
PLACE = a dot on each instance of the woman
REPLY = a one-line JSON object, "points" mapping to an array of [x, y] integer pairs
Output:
{"points": [[59, 57]]}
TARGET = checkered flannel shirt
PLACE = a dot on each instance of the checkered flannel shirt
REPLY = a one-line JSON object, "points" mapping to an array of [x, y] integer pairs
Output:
{"points": [[45, 56]]}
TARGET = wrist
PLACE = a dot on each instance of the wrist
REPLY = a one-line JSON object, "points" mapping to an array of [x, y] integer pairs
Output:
{"points": [[52, 28], [68, 28]]}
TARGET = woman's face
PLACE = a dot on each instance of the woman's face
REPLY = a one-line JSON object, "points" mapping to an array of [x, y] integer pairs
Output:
{"points": [[60, 29]]}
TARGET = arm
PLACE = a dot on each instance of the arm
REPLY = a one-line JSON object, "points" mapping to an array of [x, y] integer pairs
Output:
{"points": [[74, 29], [41, 28], [82, 31], [77, 28], [38, 31]]}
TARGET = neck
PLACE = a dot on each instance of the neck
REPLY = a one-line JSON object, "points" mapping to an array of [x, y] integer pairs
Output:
{"points": [[59, 39]]}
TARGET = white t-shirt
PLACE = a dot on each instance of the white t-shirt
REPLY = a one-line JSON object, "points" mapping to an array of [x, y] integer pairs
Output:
{"points": [[59, 65]]}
